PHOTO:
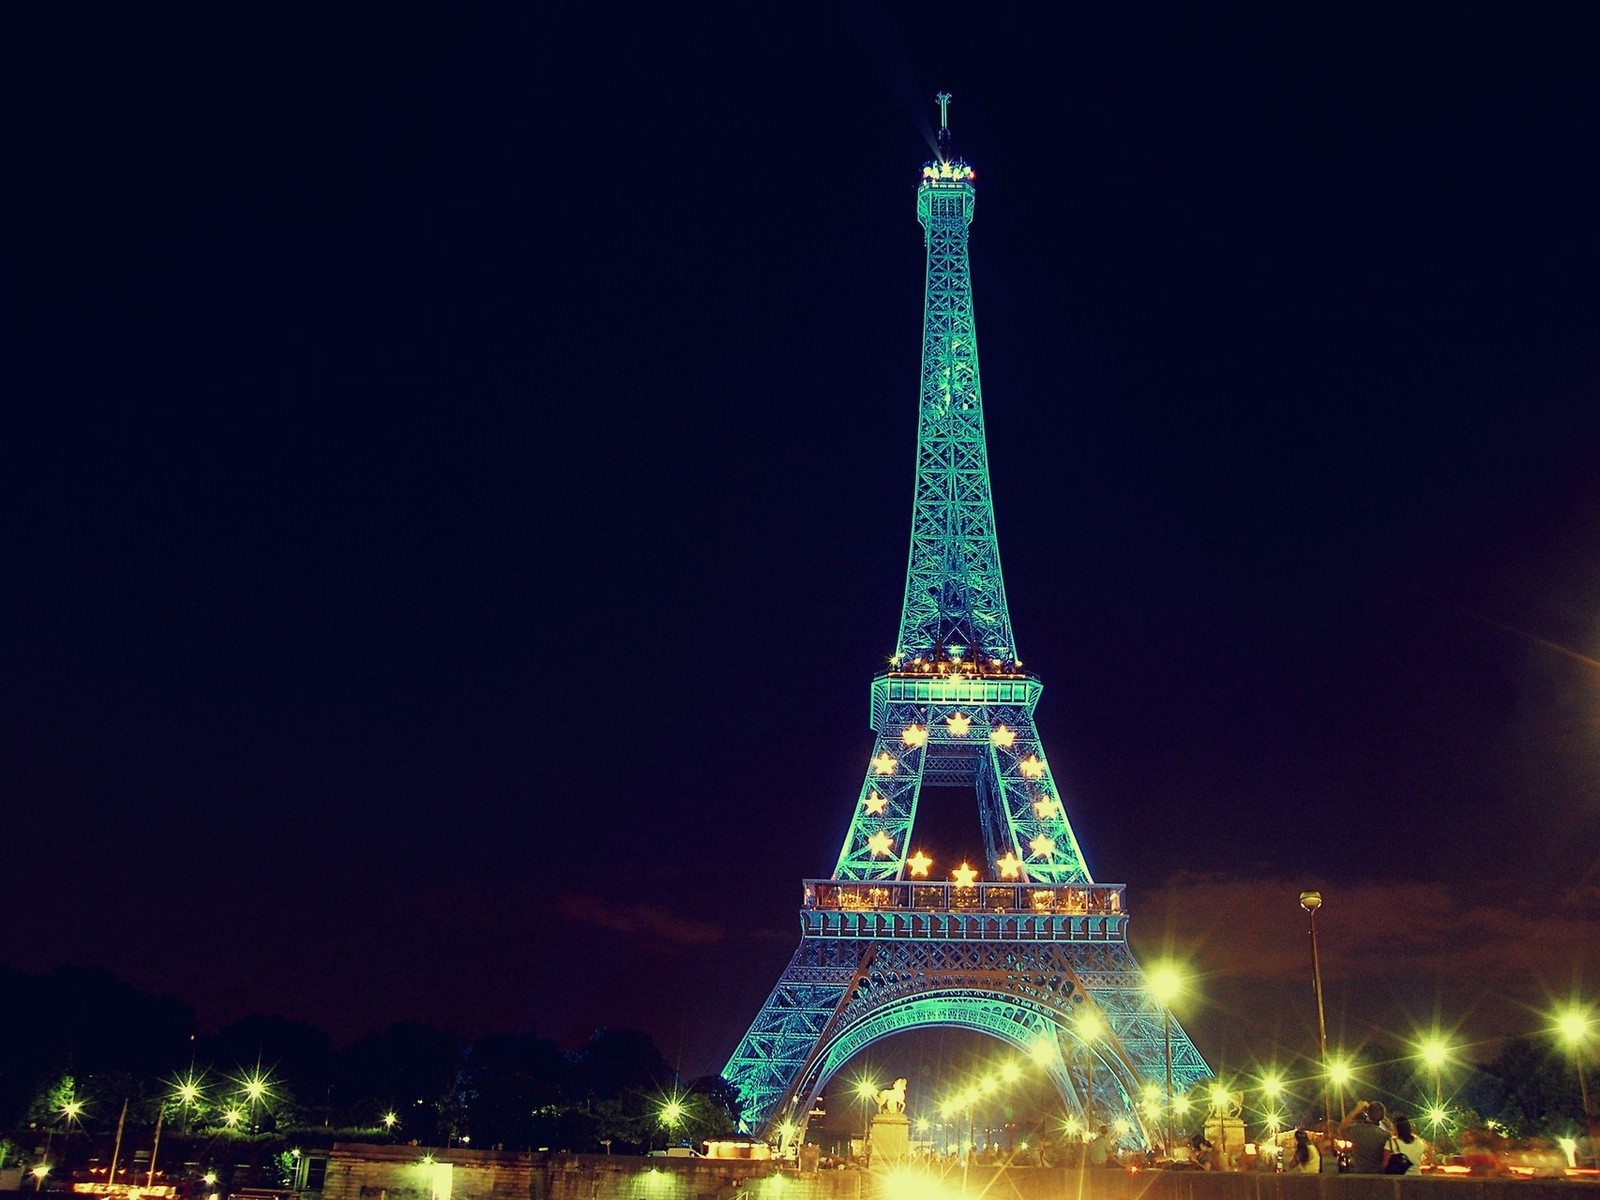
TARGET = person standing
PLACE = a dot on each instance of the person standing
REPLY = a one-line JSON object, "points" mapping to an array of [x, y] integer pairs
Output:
{"points": [[1098, 1152], [1368, 1136], [1406, 1143]]}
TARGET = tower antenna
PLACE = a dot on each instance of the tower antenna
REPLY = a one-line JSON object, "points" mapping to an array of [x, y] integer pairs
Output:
{"points": [[944, 126]]}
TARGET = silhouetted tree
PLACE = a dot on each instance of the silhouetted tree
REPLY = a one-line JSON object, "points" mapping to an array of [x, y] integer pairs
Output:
{"points": [[1529, 1088], [513, 1082], [408, 1069]]}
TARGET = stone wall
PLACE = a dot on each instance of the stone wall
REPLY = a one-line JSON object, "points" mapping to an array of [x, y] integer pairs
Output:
{"points": [[373, 1172]]}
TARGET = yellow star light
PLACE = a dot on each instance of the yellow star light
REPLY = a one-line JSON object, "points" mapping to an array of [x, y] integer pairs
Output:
{"points": [[884, 764], [914, 735], [1010, 868], [963, 875], [880, 843], [1031, 766], [919, 864], [959, 723], [1042, 847], [875, 804], [1001, 736], [1046, 807]]}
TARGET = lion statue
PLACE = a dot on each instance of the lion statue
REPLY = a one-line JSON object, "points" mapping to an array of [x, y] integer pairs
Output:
{"points": [[893, 1100]]}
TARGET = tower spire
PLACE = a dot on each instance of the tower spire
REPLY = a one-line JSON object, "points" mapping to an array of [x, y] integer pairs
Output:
{"points": [[955, 598]]}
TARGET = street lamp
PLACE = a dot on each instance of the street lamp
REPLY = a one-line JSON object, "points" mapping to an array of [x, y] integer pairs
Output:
{"points": [[867, 1093], [1434, 1052], [1311, 901], [1165, 983], [1575, 1026], [1090, 1027], [71, 1110]]}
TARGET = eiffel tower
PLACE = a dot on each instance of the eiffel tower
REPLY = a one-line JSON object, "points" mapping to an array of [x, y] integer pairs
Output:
{"points": [[1030, 949]]}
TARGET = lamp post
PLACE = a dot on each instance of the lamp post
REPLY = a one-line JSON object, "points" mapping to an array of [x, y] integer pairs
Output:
{"points": [[1090, 1027], [1435, 1052], [1575, 1026], [1311, 901], [867, 1093], [1166, 983], [669, 1116]]}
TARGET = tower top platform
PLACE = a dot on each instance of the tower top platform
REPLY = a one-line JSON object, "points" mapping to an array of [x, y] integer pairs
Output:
{"points": [[947, 173]]}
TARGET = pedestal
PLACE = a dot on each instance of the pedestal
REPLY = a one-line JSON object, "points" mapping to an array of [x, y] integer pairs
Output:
{"points": [[890, 1138]]}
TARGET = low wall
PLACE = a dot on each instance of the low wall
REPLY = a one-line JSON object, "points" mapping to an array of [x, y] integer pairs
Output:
{"points": [[369, 1172]]}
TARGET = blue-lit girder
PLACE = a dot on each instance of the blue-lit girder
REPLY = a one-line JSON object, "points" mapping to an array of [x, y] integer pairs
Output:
{"points": [[1030, 944], [955, 600], [1022, 963]]}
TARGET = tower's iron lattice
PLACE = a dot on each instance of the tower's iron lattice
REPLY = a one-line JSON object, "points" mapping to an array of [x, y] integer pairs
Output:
{"points": [[1031, 950]]}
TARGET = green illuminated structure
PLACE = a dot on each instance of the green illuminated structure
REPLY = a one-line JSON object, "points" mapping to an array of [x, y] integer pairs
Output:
{"points": [[1026, 947]]}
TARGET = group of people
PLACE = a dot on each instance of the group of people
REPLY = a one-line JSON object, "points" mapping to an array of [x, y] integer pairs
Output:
{"points": [[1377, 1145]]}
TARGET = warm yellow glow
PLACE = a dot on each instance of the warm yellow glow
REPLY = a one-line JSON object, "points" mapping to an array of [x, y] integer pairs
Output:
{"points": [[72, 1110], [1339, 1072], [1072, 1126], [1271, 1086], [1574, 1024], [914, 735], [1435, 1051], [1180, 1104], [884, 764], [899, 1183], [1046, 807], [1220, 1096], [1042, 846], [866, 1089], [1121, 1127], [40, 1171], [1011, 1072], [1165, 982], [1031, 767], [1010, 867], [919, 864], [874, 804], [959, 724], [964, 875], [880, 843], [1090, 1026], [1001, 736], [1152, 1093], [671, 1112], [1042, 1049], [390, 1120]]}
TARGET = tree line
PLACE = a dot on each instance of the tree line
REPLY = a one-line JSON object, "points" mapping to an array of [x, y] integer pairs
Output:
{"points": [[86, 1052]]}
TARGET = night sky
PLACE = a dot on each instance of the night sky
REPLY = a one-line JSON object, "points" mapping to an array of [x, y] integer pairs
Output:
{"points": [[459, 468]]}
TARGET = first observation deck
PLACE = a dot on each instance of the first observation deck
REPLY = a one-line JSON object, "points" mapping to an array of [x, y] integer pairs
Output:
{"points": [[919, 909]]}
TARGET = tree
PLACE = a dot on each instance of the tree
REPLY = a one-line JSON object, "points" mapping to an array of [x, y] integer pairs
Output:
{"points": [[409, 1070], [513, 1084], [1528, 1089]]}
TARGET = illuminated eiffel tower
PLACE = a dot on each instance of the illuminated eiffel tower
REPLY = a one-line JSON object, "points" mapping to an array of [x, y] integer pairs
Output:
{"points": [[1029, 949]]}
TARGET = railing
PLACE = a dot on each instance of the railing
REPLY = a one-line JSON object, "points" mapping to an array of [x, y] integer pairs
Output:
{"points": [[920, 896]]}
